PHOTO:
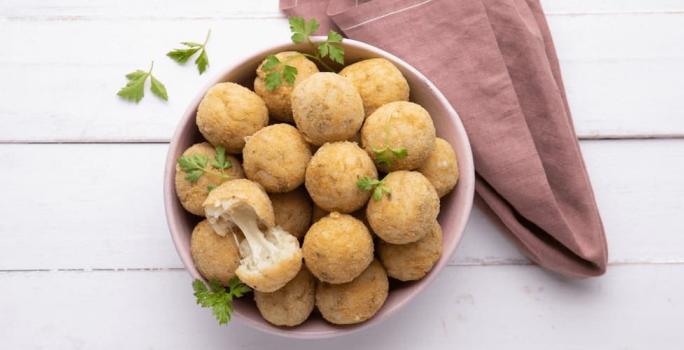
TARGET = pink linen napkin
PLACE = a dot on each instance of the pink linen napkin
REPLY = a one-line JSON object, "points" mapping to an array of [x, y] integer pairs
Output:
{"points": [[495, 62]]}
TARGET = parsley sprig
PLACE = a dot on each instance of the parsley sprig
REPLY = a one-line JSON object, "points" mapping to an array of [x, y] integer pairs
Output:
{"points": [[378, 187], [135, 87], [194, 166], [386, 155], [330, 48], [275, 74], [218, 298], [182, 55]]}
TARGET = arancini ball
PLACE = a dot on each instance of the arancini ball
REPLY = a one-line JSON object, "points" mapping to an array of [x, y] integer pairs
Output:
{"points": [[326, 107], [290, 305], [355, 301], [293, 211], [216, 257], [271, 256], [231, 193], [398, 126], [412, 261], [441, 168], [378, 82], [332, 174], [408, 213], [192, 194], [278, 99], [276, 157], [337, 248], [228, 113]]}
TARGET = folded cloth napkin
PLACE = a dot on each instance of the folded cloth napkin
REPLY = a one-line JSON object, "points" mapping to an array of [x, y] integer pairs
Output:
{"points": [[495, 62]]}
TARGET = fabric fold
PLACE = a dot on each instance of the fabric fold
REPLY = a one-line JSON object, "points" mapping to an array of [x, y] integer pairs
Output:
{"points": [[495, 62]]}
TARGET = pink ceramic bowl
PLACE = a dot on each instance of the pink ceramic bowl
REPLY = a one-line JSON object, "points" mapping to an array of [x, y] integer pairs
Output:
{"points": [[455, 206]]}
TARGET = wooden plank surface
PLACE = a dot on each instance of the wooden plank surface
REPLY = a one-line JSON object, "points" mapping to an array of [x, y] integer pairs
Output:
{"points": [[117, 9], [621, 81], [100, 206], [490, 307], [86, 261]]}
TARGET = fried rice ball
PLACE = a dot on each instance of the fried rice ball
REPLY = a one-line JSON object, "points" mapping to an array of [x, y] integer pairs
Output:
{"points": [[276, 157], [216, 257], [228, 113], [408, 213], [337, 248], [271, 256], [441, 168], [293, 211], [192, 194], [278, 100], [326, 107], [399, 125], [291, 305], [356, 301], [332, 174], [378, 82], [412, 261]]}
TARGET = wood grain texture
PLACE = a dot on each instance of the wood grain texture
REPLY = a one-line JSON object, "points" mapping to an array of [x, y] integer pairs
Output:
{"points": [[632, 307], [100, 206], [113, 9], [86, 261], [620, 81]]}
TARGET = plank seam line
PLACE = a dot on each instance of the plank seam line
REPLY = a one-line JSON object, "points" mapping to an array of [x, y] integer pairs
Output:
{"points": [[486, 264], [607, 137]]}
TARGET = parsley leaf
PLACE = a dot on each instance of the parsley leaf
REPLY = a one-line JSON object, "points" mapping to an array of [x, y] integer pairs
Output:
{"points": [[378, 187], [220, 161], [332, 48], [193, 166], [290, 74], [135, 87], [136, 75], [273, 80], [271, 63], [387, 156], [158, 89], [218, 298], [237, 288], [276, 76], [182, 55], [211, 187], [367, 183], [302, 29], [202, 61]]}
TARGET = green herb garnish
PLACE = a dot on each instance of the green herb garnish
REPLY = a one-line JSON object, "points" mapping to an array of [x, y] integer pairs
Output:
{"points": [[183, 55], [194, 166], [378, 187], [135, 87], [330, 48], [387, 155], [275, 74], [218, 298], [220, 161]]}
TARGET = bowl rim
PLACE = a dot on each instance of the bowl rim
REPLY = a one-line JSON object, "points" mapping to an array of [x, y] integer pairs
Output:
{"points": [[466, 182]]}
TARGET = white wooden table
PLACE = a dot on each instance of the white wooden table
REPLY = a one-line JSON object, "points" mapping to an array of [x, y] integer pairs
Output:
{"points": [[86, 261]]}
